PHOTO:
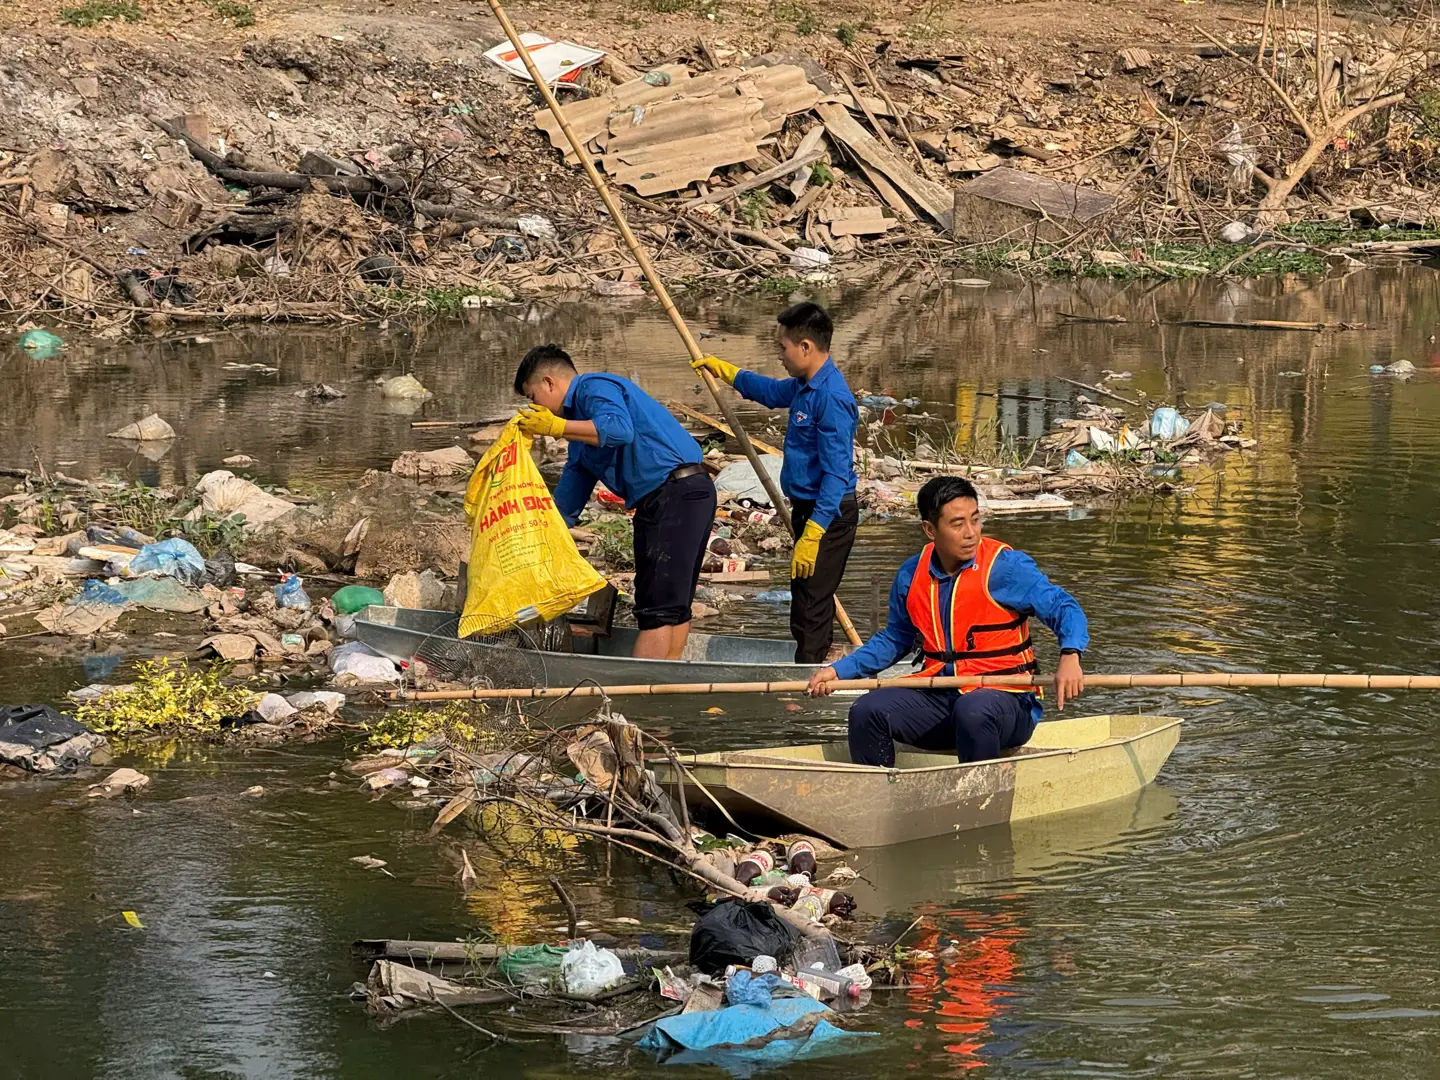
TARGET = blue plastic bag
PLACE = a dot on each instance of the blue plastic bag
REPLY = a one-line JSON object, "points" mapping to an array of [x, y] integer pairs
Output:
{"points": [[747, 988], [774, 596], [291, 593], [1076, 460], [1167, 425], [95, 591], [169, 558]]}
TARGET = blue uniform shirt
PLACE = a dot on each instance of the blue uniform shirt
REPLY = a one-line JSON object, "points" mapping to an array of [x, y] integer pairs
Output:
{"points": [[820, 438], [1015, 582], [640, 443]]}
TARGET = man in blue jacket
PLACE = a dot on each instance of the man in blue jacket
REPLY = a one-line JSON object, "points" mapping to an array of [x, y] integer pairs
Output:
{"points": [[965, 601], [818, 476], [622, 436]]}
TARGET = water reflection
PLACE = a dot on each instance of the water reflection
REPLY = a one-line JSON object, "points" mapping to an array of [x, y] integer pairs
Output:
{"points": [[1282, 877]]}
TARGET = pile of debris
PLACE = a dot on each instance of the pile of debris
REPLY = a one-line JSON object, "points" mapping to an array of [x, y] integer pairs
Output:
{"points": [[736, 165], [520, 783]]}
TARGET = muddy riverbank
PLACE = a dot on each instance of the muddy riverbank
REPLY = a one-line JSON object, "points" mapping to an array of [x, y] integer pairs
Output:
{"points": [[207, 162], [1166, 933]]}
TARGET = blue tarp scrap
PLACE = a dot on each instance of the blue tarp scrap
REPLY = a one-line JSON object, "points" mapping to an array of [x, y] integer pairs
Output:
{"points": [[719, 1037]]}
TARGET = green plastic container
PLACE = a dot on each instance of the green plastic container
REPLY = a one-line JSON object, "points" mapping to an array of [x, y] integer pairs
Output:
{"points": [[353, 598]]}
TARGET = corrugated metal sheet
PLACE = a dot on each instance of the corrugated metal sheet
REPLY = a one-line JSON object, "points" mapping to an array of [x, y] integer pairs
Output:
{"points": [[658, 139]]}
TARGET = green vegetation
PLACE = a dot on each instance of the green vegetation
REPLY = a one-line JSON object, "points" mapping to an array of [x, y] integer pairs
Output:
{"points": [[442, 300], [95, 12], [821, 174], [615, 543], [169, 697], [1160, 261], [779, 285], [1323, 233], [808, 23], [458, 722], [755, 208], [242, 15], [149, 511], [846, 33], [211, 534], [676, 7]]}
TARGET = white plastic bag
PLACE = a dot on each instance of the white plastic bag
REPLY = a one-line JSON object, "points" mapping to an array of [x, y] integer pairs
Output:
{"points": [[358, 663], [809, 258], [587, 971]]}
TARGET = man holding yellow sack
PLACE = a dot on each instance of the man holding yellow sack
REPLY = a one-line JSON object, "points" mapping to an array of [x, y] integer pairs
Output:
{"points": [[622, 436], [818, 476]]}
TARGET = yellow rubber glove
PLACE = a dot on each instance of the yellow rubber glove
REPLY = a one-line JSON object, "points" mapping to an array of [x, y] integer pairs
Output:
{"points": [[538, 420], [721, 369], [807, 550]]}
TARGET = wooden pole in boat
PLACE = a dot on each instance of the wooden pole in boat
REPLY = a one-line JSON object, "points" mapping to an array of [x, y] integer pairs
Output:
{"points": [[653, 276], [1220, 679]]}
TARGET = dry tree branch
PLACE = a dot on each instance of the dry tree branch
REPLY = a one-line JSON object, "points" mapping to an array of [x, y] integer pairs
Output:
{"points": [[1258, 67]]}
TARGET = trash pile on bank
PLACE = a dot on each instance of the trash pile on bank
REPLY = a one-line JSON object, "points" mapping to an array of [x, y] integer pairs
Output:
{"points": [[741, 165]]}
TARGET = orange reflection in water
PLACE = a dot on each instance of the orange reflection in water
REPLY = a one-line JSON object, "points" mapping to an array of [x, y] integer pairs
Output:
{"points": [[969, 987]]}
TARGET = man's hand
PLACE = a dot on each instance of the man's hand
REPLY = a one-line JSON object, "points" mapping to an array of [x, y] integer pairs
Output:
{"points": [[721, 369], [538, 420], [1069, 679], [822, 683], [807, 551]]}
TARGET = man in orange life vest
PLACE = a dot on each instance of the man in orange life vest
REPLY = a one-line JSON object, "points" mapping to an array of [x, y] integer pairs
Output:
{"points": [[966, 599]]}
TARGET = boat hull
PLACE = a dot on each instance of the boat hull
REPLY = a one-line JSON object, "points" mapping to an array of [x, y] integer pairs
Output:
{"points": [[400, 633], [1069, 764]]}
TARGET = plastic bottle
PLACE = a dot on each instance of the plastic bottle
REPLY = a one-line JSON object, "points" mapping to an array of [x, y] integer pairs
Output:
{"points": [[784, 894], [753, 865], [815, 904], [824, 985], [800, 858]]}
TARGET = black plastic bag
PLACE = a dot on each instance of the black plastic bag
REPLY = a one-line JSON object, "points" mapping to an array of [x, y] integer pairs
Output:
{"points": [[737, 931]]}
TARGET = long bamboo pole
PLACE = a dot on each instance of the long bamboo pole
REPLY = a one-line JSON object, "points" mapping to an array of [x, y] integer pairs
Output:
{"points": [[1221, 679], [652, 275]]}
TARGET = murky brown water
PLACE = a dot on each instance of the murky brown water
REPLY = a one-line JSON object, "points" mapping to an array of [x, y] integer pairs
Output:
{"points": [[1268, 909]]}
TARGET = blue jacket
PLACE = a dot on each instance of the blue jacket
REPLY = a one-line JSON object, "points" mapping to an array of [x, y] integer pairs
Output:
{"points": [[1015, 581], [820, 438], [640, 443]]}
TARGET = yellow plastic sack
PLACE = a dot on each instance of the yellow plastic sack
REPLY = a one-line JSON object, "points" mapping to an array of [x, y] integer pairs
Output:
{"points": [[523, 561]]}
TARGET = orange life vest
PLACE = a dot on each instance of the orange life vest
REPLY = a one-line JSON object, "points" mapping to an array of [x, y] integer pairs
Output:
{"points": [[986, 638]]}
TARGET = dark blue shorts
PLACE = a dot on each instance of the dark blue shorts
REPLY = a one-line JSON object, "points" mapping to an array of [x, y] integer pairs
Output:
{"points": [[672, 527]]}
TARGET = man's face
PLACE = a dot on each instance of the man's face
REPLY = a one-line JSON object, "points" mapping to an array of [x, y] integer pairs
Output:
{"points": [[799, 357], [957, 534], [547, 392]]}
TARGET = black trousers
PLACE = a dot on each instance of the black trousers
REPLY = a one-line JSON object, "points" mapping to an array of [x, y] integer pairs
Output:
{"points": [[812, 599], [672, 527], [978, 726]]}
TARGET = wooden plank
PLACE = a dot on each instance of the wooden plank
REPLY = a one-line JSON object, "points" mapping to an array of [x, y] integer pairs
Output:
{"points": [[935, 199], [696, 414], [799, 161], [874, 123], [814, 138], [887, 191], [737, 577], [861, 226]]}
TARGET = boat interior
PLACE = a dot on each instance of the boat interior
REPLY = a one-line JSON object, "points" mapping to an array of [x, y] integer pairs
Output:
{"points": [[590, 633]]}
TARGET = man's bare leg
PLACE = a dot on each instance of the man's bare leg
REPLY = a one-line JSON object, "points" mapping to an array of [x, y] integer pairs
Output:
{"points": [[678, 636], [653, 644]]}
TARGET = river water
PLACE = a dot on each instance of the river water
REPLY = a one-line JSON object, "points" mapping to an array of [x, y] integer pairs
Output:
{"points": [[1268, 908]]}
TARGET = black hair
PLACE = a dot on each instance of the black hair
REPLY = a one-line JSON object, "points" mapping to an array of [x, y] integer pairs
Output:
{"points": [[541, 356], [941, 491], [807, 321]]}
